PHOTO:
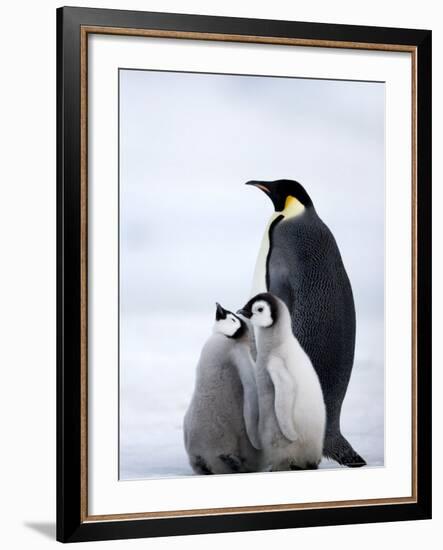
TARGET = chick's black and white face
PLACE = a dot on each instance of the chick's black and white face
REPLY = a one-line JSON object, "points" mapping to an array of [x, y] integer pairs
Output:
{"points": [[228, 326], [226, 322], [261, 314]]}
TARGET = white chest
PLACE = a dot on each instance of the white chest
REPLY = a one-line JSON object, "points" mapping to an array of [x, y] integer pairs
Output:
{"points": [[259, 280], [292, 209]]}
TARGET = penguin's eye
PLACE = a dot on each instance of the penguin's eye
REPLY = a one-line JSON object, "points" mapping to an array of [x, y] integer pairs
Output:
{"points": [[260, 309]]}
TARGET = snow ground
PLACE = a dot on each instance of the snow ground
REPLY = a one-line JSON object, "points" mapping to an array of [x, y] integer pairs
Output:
{"points": [[157, 368]]}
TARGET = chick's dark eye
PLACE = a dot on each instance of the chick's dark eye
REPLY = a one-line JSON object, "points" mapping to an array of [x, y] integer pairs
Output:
{"points": [[260, 309]]}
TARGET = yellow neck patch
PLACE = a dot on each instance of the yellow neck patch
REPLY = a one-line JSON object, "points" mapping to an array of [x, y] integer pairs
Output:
{"points": [[293, 207]]}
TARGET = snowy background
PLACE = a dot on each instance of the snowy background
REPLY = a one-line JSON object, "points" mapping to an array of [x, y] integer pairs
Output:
{"points": [[190, 232]]}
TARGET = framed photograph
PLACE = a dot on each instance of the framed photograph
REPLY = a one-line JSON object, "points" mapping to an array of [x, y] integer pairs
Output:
{"points": [[244, 274]]}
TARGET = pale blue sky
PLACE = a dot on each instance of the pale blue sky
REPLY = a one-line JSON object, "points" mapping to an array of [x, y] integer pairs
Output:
{"points": [[190, 141]]}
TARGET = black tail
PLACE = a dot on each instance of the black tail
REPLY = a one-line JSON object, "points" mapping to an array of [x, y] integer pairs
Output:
{"points": [[339, 449]]}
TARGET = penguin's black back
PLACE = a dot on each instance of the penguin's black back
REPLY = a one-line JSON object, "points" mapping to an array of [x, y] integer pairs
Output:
{"points": [[306, 271]]}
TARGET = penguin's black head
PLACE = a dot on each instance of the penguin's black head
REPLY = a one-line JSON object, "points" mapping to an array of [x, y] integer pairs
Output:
{"points": [[262, 310], [283, 192], [228, 324]]}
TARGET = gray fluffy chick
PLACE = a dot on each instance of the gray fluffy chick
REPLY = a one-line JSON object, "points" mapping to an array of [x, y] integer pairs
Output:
{"points": [[221, 423]]}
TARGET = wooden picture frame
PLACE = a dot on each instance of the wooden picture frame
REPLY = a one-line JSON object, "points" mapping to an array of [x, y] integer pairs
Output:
{"points": [[74, 523]]}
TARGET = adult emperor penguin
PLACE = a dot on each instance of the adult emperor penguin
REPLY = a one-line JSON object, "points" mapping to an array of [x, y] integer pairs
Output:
{"points": [[220, 425], [292, 414], [299, 261]]}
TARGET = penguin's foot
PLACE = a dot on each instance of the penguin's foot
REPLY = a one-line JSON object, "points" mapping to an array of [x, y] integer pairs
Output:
{"points": [[309, 466], [233, 462], [338, 448], [200, 466]]}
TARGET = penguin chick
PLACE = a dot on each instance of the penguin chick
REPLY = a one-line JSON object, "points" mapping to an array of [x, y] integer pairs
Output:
{"points": [[221, 423], [292, 412]]}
